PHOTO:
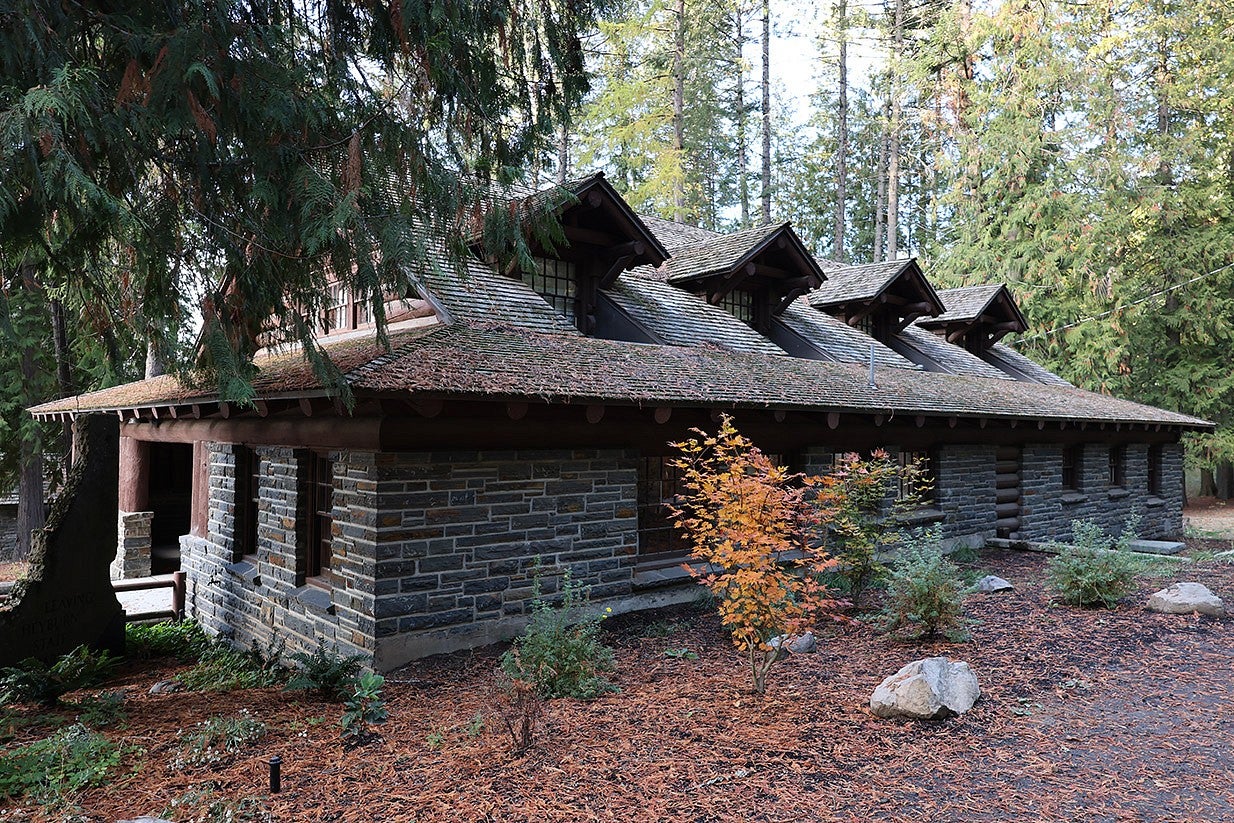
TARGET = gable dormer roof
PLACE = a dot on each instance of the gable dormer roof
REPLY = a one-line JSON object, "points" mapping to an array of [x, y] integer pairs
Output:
{"points": [[894, 285], [977, 316]]}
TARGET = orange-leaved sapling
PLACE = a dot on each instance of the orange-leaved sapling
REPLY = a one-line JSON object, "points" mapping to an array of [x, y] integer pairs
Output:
{"points": [[750, 524]]}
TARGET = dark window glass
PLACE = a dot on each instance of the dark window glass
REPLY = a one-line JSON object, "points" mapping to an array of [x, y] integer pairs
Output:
{"points": [[1072, 465], [1118, 466], [319, 488], [1154, 469], [740, 304], [248, 495], [554, 280], [926, 486], [659, 481]]}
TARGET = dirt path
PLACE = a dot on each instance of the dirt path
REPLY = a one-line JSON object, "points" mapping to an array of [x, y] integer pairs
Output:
{"points": [[1208, 517]]}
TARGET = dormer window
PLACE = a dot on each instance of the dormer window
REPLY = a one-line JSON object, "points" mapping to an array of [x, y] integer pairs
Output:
{"points": [[881, 299], [344, 313], [557, 282], [740, 304], [976, 317], [754, 275]]}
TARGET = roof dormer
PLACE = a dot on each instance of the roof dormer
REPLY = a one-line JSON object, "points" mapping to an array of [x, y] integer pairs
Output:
{"points": [[878, 298], [977, 317], [753, 274], [600, 237]]}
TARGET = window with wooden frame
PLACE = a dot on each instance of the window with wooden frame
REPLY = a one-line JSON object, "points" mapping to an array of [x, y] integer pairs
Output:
{"points": [[247, 491], [925, 486], [740, 304], [659, 482], [1154, 469], [317, 473], [1073, 465], [555, 281], [1118, 467]]}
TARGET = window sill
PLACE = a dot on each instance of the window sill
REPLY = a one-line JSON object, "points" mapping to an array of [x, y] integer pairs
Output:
{"points": [[246, 570], [1154, 501], [920, 517], [1117, 493], [1072, 497], [315, 599]]}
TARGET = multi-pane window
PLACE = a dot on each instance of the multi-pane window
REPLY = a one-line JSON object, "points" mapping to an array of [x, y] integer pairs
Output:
{"points": [[554, 280], [659, 481], [1154, 469], [923, 486], [338, 304], [248, 493], [740, 304], [1118, 466], [1072, 465], [319, 518]]}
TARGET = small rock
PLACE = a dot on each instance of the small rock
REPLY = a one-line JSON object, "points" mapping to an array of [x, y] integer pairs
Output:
{"points": [[802, 644], [1185, 598], [993, 583], [932, 689], [165, 687]]}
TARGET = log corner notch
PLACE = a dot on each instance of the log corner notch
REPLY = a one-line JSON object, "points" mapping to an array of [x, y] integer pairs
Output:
{"points": [[66, 599]]}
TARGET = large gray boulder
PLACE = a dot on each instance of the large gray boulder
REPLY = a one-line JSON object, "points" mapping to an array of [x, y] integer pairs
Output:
{"points": [[1187, 598], [932, 689]]}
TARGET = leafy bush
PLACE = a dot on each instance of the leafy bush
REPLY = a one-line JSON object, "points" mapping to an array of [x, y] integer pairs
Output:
{"points": [[52, 769], [326, 672], [859, 512], [750, 524], [365, 708], [102, 711], [224, 668], [184, 641], [1095, 570], [924, 591], [33, 681], [217, 740], [559, 657]]}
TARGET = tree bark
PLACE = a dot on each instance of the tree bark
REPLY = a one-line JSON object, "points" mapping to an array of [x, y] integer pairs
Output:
{"points": [[679, 118], [766, 111], [880, 197], [841, 216], [893, 158], [563, 154], [31, 514], [743, 158]]}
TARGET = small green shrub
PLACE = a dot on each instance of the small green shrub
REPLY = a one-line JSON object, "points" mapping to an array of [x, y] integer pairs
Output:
{"points": [[205, 804], [561, 658], [224, 668], [217, 740], [33, 681], [184, 641], [364, 709], [924, 597], [326, 672], [1094, 570], [51, 770], [102, 711]]}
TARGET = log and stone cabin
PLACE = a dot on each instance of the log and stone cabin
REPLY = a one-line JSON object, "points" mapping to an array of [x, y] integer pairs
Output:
{"points": [[527, 416]]}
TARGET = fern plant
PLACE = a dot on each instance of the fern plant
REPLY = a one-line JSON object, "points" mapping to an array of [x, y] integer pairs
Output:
{"points": [[33, 681], [325, 672]]}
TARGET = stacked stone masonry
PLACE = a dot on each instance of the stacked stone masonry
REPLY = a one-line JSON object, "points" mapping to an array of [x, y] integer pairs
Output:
{"points": [[438, 551], [133, 546]]}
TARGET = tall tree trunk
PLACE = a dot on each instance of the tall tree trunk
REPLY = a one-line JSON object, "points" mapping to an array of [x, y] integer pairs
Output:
{"points": [[893, 158], [563, 154], [743, 157], [841, 217], [880, 198], [64, 371], [766, 205], [30, 508], [679, 117]]}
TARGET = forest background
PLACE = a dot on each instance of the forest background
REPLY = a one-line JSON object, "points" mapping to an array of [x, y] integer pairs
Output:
{"points": [[1078, 152]]}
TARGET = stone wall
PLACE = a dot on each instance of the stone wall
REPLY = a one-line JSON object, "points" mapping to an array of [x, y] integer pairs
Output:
{"points": [[964, 476], [133, 546], [263, 598], [1048, 510], [459, 536]]}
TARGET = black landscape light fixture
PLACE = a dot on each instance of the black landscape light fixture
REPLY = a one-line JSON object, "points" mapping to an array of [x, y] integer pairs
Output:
{"points": [[276, 778]]}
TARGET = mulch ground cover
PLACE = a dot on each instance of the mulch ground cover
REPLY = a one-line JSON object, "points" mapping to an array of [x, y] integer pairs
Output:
{"points": [[1091, 715]]}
